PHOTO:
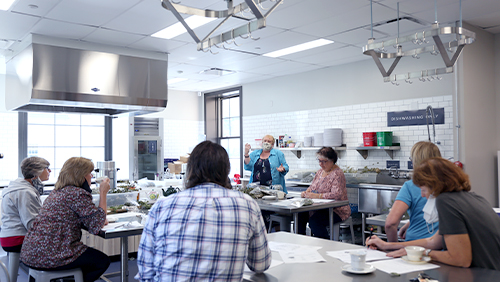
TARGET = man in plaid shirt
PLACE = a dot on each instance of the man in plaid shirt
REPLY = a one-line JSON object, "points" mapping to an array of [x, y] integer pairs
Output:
{"points": [[207, 232]]}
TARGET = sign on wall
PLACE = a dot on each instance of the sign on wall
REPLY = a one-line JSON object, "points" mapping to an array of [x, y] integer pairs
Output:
{"points": [[418, 117]]}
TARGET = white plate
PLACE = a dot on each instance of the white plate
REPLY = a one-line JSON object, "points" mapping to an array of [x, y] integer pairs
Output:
{"points": [[269, 198], [368, 269], [424, 260]]}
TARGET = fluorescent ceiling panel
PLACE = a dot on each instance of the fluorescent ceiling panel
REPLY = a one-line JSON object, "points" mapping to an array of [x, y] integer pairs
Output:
{"points": [[178, 29], [176, 80], [5, 4], [298, 48]]}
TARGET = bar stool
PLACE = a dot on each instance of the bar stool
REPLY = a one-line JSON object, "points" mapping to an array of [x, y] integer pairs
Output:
{"points": [[46, 276], [4, 274], [336, 229], [13, 265], [284, 220]]}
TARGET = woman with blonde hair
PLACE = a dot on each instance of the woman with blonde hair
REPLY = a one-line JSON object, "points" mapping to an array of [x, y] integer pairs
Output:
{"points": [[469, 229], [409, 200], [54, 242]]}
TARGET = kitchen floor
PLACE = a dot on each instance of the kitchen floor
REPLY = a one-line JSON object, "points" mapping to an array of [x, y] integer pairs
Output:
{"points": [[114, 267]]}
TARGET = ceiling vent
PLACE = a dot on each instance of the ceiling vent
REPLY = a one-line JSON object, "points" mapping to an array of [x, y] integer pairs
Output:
{"points": [[217, 71]]}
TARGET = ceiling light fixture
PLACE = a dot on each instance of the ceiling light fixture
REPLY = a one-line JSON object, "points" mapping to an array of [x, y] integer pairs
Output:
{"points": [[6, 4], [178, 29], [427, 41], [176, 80], [298, 48], [255, 21]]}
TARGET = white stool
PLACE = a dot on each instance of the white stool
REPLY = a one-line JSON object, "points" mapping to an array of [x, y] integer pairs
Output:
{"points": [[4, 274], [46, 276], [13, 265], [284, 220], [336, 229]]}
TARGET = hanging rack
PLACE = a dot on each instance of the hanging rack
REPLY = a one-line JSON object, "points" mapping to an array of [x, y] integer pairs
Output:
{"points": [[246, 29], [376, 49]]}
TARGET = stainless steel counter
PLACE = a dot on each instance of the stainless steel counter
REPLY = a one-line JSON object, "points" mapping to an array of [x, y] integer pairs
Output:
{"points": [[331, 269]]}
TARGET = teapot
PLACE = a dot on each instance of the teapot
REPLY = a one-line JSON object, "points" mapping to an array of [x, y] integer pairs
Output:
{"points": [[170, 190]]}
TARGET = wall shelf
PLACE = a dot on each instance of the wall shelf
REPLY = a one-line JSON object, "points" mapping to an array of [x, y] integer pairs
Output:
{"points": [[298, 151], [363, 151]]}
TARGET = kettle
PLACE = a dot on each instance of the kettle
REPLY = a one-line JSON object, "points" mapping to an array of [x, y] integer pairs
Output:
{"points": [[170, 190]]}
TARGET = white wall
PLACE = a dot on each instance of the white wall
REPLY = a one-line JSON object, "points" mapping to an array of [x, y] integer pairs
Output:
{"points": [[478, 115], [350, 84]]}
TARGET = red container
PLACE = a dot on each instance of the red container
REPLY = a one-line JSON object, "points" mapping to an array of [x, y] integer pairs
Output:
{"points": [[369, 139]]}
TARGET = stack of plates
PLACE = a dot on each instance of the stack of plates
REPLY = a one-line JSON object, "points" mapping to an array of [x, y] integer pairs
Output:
{"points": [[318, 139], [332, 137], [308, 141]]}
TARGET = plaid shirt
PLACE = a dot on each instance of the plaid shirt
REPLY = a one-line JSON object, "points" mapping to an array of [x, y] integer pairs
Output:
{"points": [[205, 233]]}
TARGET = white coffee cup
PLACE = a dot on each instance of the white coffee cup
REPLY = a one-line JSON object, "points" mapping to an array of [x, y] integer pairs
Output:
{"points": [[414, 253], [358, 259], [98, 180]]}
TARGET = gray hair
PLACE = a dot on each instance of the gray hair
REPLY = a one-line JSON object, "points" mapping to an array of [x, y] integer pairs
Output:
{"points": [[33, 167]]}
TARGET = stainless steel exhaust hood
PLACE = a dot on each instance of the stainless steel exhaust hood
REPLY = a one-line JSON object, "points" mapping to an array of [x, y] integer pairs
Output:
{"points": [[47, 78]]}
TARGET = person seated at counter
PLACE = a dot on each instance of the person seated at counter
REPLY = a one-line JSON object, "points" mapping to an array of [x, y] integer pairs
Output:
{"points": [[268, 167], [328, 183], [409, 200], [21, 203], [469, 229], [206, 232], [54, 241]]}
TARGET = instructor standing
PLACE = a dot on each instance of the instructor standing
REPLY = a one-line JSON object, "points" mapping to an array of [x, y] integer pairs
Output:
{"points": [[268, 165]]}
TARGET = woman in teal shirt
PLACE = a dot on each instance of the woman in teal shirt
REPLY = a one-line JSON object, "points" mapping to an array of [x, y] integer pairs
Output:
{"points": [[268, 165]]}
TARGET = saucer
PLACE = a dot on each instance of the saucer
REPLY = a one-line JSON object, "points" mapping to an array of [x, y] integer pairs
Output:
{"points": [[368, 269], [424, 260]]}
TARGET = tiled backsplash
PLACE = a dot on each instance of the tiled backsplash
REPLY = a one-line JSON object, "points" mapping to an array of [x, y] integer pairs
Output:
{"points": [[354, 120], [180, 136]]}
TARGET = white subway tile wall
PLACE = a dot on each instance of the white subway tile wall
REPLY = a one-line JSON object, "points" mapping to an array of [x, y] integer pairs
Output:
{"points": [[180, 137], [8, 146], [354, 120]]}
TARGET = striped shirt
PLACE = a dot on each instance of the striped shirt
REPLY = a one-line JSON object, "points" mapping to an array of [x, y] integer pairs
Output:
{"points": [[205, 233]]}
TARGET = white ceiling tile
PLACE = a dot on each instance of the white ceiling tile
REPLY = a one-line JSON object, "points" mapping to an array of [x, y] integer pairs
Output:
{"points": [[157, 44], [330, 48], [15, 26], [252, 63], [90, 12], [22, 6], [357, 36], [112, 37], [281, 67], [62, 29], [405, 27], [276, 42], [147, 17]]}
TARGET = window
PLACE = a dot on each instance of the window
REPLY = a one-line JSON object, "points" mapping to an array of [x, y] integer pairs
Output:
{"points": [[57, 137], [223, 124]]}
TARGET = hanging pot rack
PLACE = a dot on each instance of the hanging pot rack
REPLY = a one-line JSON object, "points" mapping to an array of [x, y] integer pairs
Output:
{"points": [[378, 51], [244, 31]]}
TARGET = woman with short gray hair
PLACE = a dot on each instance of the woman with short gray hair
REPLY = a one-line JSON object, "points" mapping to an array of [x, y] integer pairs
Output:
{"points": [[21, 202]]}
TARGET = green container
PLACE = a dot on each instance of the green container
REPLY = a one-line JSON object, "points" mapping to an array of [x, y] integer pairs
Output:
{"points": [[384, 138]]}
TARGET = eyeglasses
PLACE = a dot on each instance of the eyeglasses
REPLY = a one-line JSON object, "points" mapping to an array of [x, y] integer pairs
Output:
{"points": [[323, 161], [47, 168]]}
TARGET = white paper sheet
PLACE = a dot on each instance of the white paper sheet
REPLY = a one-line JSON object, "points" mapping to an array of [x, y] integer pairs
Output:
{"points": [[400, 266], [371, 255], [294, 253], [293, 202]]}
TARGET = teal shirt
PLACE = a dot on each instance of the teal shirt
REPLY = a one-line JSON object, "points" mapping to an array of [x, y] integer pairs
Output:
{"points": [[276, 158], [410, 195]]}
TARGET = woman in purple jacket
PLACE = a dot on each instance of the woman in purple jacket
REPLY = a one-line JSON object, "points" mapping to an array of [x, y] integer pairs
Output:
{"points": [[54, 241]]}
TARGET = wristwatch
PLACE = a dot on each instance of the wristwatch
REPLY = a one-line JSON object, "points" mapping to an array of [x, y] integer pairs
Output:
{"points": [[427, 251]]}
